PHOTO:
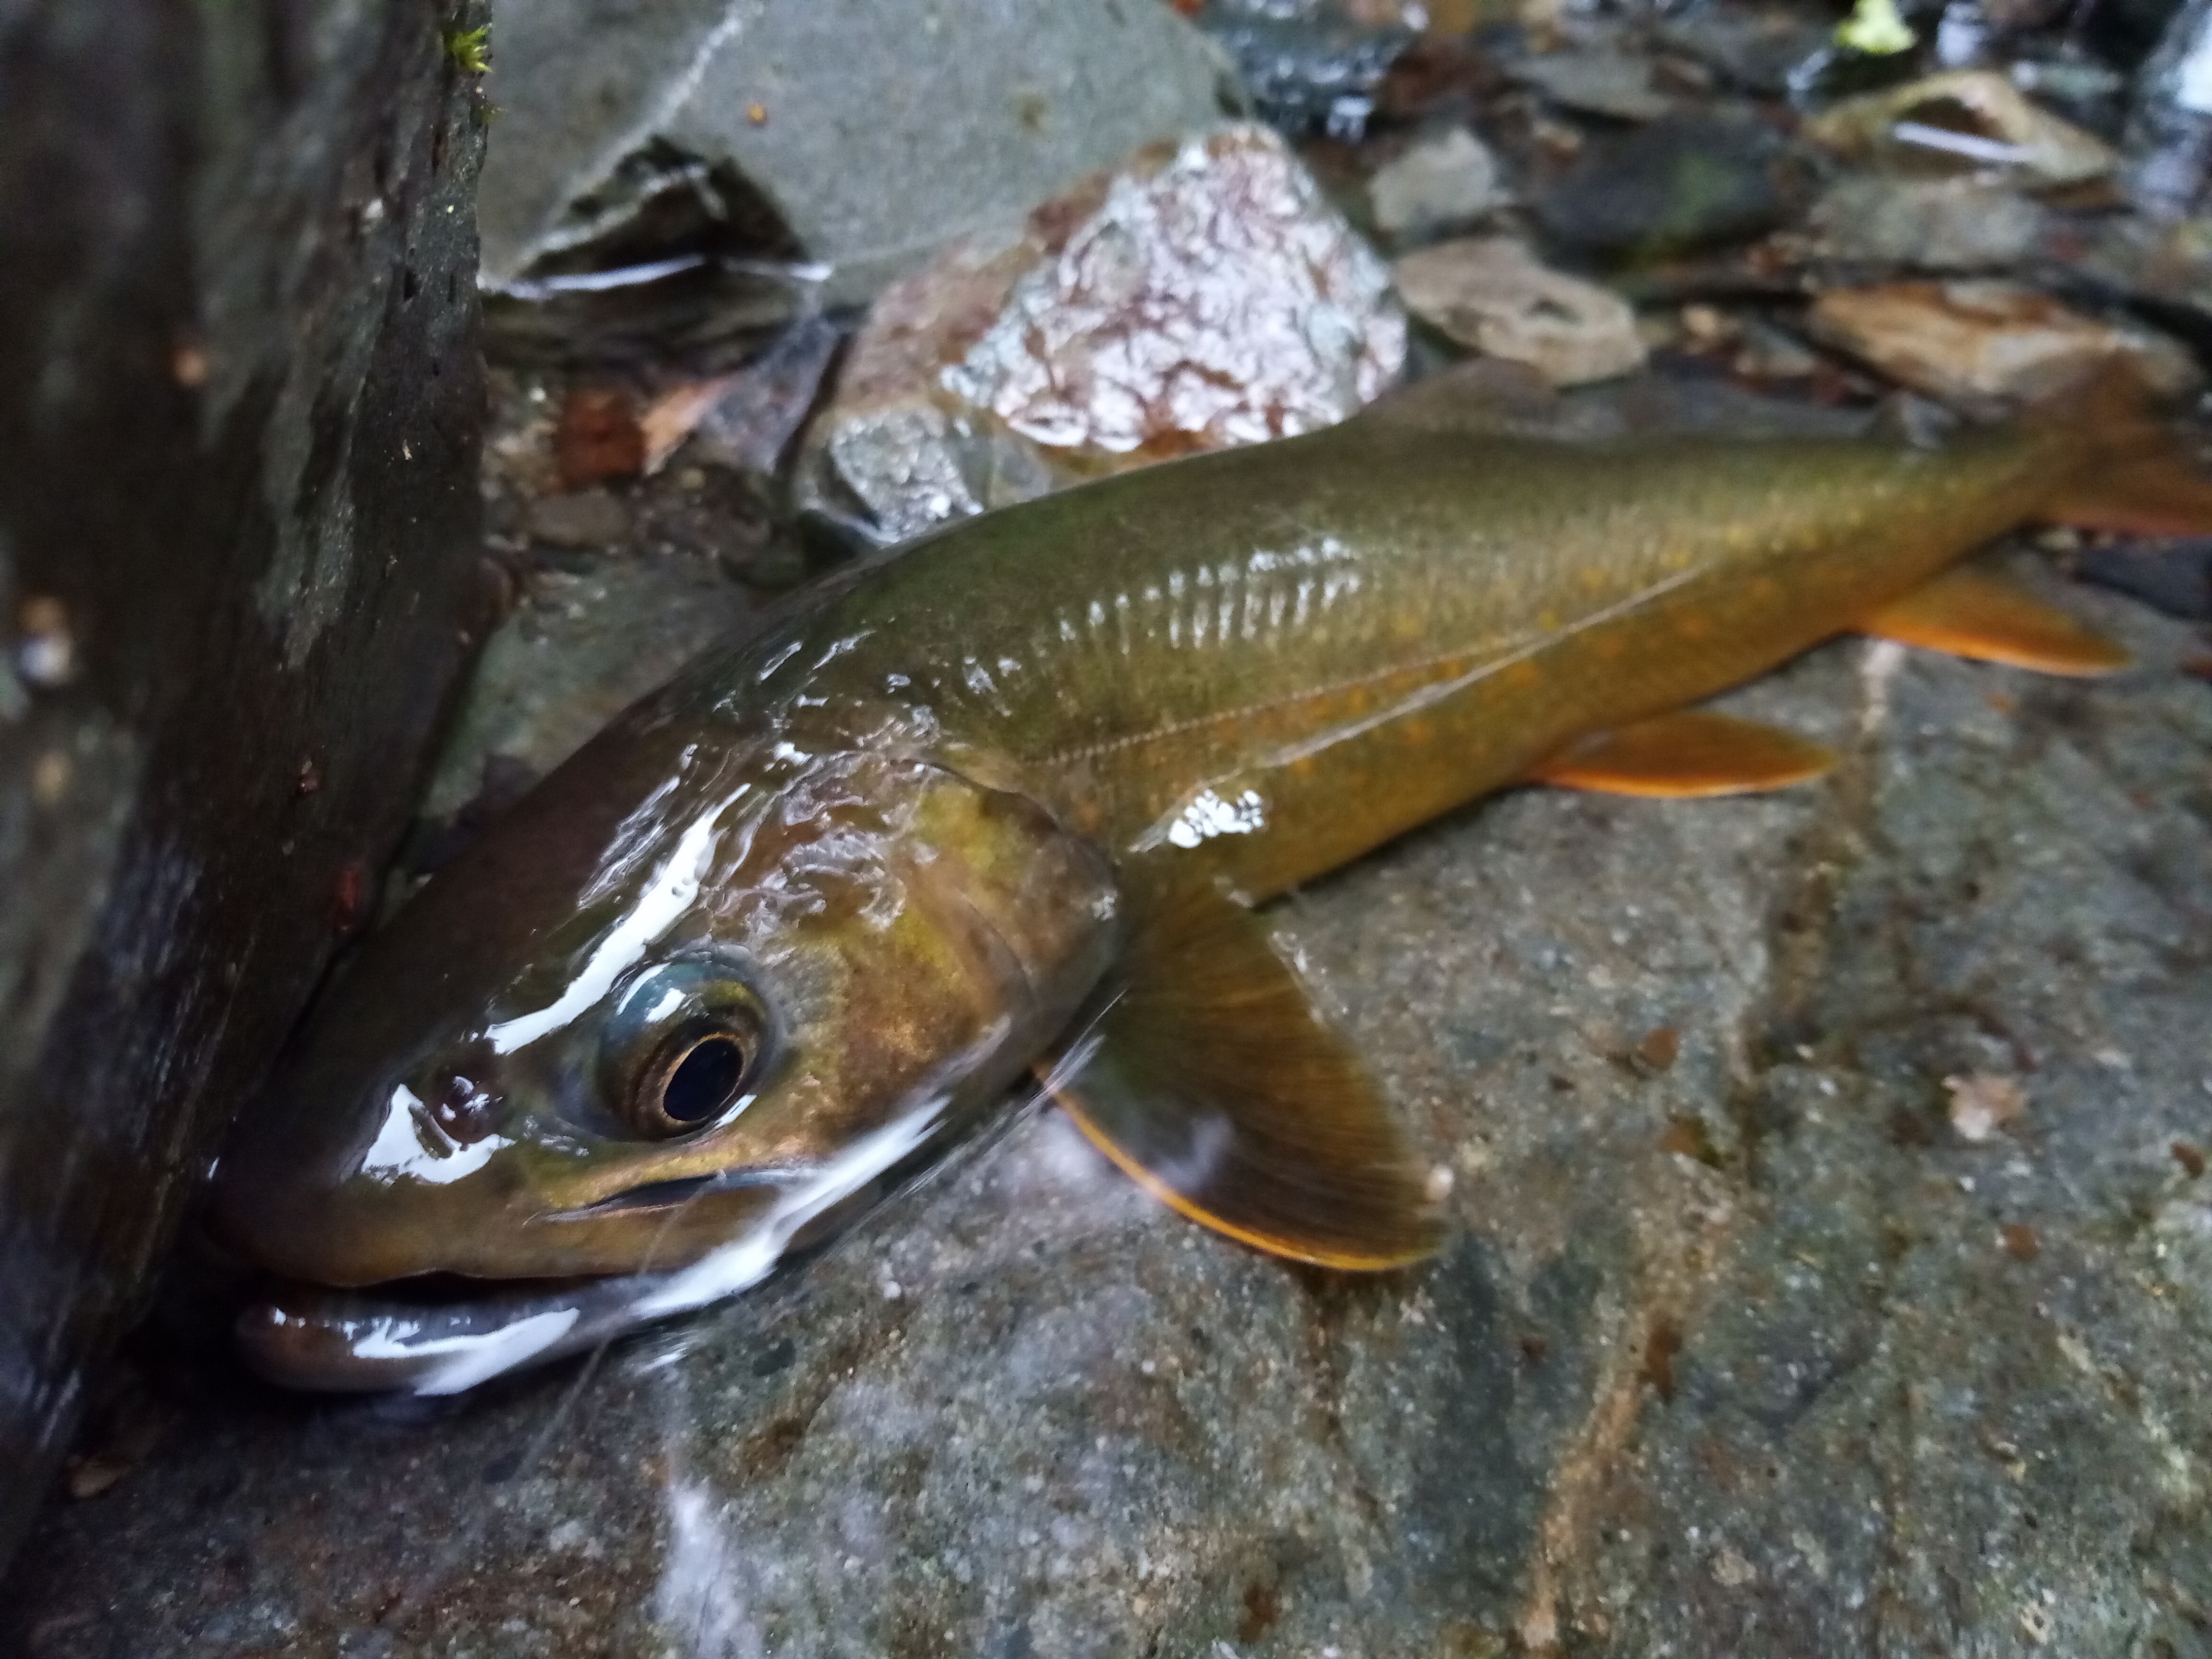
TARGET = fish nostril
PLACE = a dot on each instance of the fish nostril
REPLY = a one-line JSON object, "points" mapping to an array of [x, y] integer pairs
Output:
{"points": [[464, 1109]]}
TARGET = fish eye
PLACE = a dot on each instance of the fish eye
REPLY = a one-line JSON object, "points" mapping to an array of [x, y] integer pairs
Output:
{"points": [[683, 1044], [696, 1077]]}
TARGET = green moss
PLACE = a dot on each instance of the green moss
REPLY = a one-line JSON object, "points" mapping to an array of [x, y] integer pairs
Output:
{"points": [[469, 50]]}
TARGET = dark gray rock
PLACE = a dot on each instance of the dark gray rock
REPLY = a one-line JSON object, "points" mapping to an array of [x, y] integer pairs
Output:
{"points": [[1310, 65], [810, 129], [1679, 184], [239, 408], [1926, 224], [1740, 1346], [2176, 576], [1758, 48]]}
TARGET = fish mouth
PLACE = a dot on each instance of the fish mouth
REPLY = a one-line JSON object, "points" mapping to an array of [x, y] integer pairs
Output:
{"points": [[672, 1194], [443, 1333]]}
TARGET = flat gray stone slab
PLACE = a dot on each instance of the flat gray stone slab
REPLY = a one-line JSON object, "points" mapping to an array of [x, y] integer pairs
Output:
{"points": [[1729, 1355], [871, 145]]}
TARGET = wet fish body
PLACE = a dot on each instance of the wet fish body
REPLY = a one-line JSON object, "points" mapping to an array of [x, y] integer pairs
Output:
{"points": [[997, 803]]}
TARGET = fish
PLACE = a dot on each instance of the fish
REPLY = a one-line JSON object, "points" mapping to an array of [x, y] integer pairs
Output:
{"points": [[1001, 804]]}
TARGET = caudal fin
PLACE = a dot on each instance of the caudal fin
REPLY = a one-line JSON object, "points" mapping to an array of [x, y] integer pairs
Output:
{"points": [[2123, 468]]}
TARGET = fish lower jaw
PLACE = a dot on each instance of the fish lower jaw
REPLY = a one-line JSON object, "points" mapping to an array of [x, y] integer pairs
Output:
{"points": [[436, 1334]]}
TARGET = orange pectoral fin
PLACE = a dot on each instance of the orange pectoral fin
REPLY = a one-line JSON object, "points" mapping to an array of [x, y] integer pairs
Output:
{"points": [[1970, 614], [1690, 752], [1213, 1083]]}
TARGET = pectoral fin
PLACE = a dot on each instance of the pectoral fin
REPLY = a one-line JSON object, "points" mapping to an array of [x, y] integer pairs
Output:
{"points": [[1212, 1082], [1970, 614], [1689, 752]]}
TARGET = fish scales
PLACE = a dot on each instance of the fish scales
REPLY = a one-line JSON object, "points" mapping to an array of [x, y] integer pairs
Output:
{"points": [[1366, 649]]}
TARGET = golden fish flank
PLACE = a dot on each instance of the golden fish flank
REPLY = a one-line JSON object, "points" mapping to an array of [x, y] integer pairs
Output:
{"points": [[997, 805]]}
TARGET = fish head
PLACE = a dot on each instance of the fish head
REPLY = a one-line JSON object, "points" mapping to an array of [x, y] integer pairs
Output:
{"points": [[681, 1001]]}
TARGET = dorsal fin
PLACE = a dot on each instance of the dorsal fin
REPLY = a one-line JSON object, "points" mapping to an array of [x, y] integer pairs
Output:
{"points": [[1211, 1081], [1970, 614]]}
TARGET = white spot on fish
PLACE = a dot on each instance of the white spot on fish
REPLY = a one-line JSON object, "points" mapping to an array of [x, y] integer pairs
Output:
{"points": [[1208, 816]]}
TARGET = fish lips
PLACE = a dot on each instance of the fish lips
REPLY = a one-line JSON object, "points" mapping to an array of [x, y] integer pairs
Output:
{"points": [[442, 1334], [439, 1332]]}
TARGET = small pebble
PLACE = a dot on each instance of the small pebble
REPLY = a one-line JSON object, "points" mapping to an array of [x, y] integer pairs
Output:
{"points": [[46, 653]]}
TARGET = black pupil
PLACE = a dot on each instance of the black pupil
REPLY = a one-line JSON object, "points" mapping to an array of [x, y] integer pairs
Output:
{"points": [[705, 1080]]}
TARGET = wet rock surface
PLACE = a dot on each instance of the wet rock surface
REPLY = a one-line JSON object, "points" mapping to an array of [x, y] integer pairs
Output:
{"points": [[1927, 224], [1309, 65], [1741, 1344], [1984, 343], [239, 396], [1199, 295], [1448, 179], [1676, 186], [1491, 294], [792, 129]]}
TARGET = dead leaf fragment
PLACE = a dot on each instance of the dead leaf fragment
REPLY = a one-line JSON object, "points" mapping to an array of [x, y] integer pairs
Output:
{"points": [[1491, 293], [1982, 1102], [1659, 1050], [669, 418], [599, 437]]}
